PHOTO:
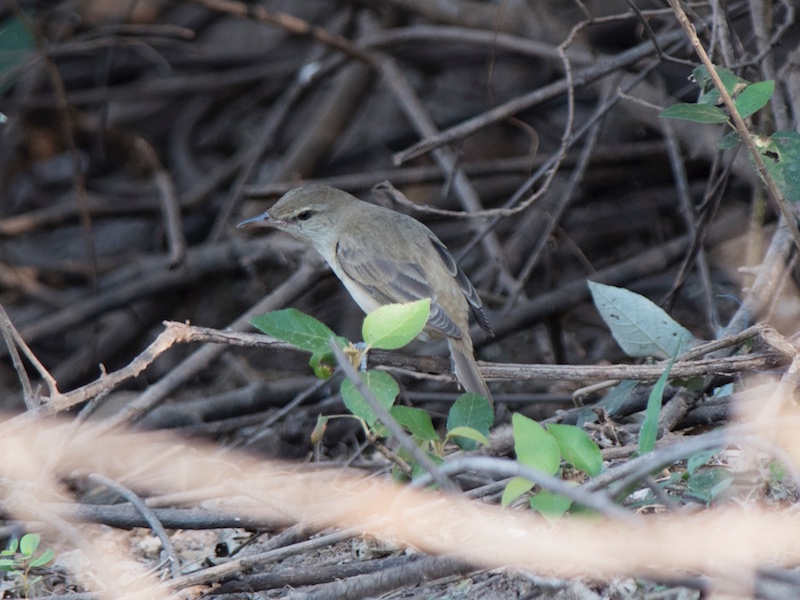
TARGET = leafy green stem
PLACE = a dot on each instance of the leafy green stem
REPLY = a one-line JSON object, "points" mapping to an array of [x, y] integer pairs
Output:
{"points": [[741, 127], [391, 424]]}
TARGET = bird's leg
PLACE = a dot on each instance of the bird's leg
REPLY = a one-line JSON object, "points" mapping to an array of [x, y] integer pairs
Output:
{"points": [[362, 350]]}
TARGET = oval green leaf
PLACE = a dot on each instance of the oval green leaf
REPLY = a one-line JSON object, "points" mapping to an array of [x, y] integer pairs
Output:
{"points": [[550, 505], [45, 558], [754, 97], [417, 421], [382, 385], [534, 446], [470, 410], [29, 543], [514, 489], [577, 448], [697, 113], [639, 326], [395, 325], [298, 329]]}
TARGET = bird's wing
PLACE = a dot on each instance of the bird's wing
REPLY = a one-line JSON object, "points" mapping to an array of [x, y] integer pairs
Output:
{"points": [[391, 281], [464, 283]]}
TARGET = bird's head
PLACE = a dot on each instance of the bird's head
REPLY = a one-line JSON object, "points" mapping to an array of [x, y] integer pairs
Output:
{"points": [[313, 213]]}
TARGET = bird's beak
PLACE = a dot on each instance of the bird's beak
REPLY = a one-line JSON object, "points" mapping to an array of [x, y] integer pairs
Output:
{"points": [[262, 220]]}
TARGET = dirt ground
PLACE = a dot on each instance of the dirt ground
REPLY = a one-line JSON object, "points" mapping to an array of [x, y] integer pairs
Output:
{"points": [[162, 448]]}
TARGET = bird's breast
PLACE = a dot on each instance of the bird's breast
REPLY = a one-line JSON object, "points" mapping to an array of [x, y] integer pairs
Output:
{"points": [[363, 298]]}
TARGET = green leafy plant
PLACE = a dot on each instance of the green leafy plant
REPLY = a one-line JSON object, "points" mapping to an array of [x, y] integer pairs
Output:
{"points": [[642, 329], [20, 557], [748, 97], [544, 449], [701, 480], [388, 328], [705, 482], [780, 151], [469, 419]]}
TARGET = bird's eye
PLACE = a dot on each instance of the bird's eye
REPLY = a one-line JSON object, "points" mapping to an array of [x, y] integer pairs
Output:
{"points": [[304, 216]]}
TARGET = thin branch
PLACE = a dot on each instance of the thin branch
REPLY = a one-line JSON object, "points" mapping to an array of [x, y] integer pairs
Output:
{"points": [[13, 341], [289, 23], [151, 518], [503, 111]]}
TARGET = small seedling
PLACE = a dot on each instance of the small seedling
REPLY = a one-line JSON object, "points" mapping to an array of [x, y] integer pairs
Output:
{"points": [[19, 558], [544, 449]]}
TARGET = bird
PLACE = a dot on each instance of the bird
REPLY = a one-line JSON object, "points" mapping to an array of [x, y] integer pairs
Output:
{"points": [[385, 257]]}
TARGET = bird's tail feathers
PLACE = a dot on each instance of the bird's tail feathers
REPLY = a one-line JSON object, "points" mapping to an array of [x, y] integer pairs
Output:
{"points": [[466, 368]]}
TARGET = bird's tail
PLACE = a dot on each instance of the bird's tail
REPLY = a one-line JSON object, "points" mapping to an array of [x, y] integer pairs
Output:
{"points": [[466, 368]]}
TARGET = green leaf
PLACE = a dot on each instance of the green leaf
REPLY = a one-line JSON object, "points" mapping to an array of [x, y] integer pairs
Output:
{"points": [[393, 326], [13, 545], [577, 448], [697, 113], [700, 459], [417, 421], [729, 141], [550, 505], [16, 42], [781, 155], [616, 398], [709, 93], [534, 446], [640, 327], [777, 471], [748, 97], [754, 97], [320, 362], [299, 329], [29, 543], [649, 429], [470, 410], [382, 386], [319, 429], [585, 415], [42, 560], [514, 489], [709, 483], [468, 433]]}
